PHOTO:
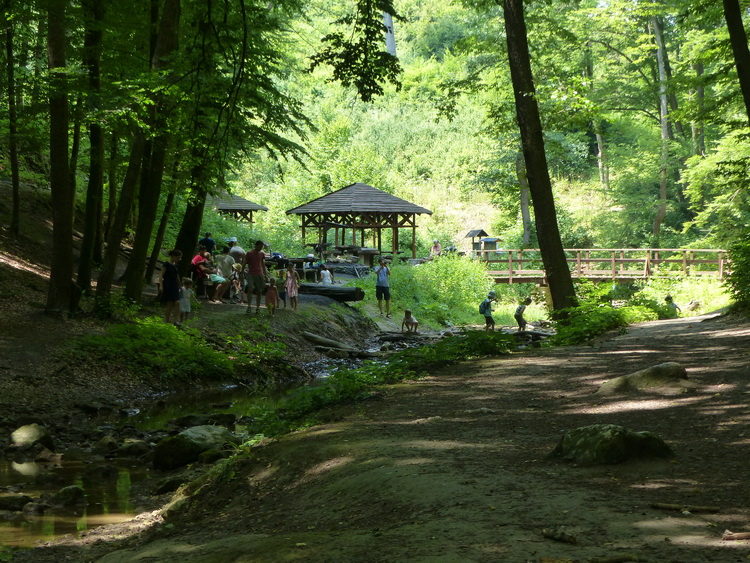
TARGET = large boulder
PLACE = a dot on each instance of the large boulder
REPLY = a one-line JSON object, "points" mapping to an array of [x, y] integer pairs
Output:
{"points": [[604, 444], [14, 502], [187, 446], [68, 497], [31, 435], [661, 375]]}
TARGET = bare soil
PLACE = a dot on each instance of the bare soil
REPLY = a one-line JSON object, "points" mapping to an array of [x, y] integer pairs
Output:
{"points": [[452, 468]]}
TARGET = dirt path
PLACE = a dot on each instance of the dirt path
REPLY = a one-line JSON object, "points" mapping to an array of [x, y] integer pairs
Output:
{"points": [[452, 468]]}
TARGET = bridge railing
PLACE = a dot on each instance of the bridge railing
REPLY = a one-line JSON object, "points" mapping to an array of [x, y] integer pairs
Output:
{"points": [[616, 264]]}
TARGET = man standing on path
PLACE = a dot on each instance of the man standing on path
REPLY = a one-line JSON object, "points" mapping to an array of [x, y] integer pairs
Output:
{"points": [[256, 274], [383, 287]]}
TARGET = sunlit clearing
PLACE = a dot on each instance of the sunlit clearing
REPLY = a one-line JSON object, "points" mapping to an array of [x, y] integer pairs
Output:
{"points": [[665, 525], [321, 431], [328, 465], [642, 405], [414, 461], [666, 484], [16, 263], [443, 445]]}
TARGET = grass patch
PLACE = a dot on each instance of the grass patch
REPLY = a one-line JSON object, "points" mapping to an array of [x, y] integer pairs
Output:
{"points": [[155, 349]]}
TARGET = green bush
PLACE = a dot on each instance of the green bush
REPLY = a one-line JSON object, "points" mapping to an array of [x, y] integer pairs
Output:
{"points": [[442, 292], [738, 280], [151, 346]]}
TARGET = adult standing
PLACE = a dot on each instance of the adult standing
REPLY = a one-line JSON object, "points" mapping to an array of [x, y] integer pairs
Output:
{"points": [[235, 250], [208, 243], [435, 249], [383, 287], [169, 284], [255, 260]]}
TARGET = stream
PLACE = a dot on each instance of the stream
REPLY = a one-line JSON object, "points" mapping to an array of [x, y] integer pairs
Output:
{"points": [[111, 483]]}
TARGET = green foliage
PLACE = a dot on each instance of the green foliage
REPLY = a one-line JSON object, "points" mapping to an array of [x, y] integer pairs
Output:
{"points": [[442, 292], [637, 302], [738, 280], [356, 54], [592, 319], [157, 349]]}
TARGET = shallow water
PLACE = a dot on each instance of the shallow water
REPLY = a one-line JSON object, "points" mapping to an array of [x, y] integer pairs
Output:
{"points": [[108, 498]]}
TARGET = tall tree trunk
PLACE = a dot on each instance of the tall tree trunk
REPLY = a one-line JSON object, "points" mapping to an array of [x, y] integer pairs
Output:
{"points": [[148, 201], [738, 39], [523, 183], [159, 240], [530, 125], [190, 229], [15, 217], [658, 29], [661, 211], [75, 146], [93, 16], [111, 183], [119, 222], [390, 36], [60, 295], [601, 158], [698, 133]]}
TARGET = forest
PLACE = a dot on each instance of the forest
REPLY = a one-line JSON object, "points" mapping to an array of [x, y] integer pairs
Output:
{"points": [[558, 124]]}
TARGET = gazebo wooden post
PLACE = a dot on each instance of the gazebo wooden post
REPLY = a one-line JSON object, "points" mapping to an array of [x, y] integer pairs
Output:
{"points": [[414, 239], [394, 245]]}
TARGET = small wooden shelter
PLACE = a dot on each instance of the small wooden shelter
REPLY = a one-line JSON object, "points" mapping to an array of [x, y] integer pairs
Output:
{"points": [[357, 209], [473, 235], [236, 206]]}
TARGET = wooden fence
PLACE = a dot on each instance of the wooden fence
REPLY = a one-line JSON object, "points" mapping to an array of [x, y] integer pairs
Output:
{"points": [[615, 264]]}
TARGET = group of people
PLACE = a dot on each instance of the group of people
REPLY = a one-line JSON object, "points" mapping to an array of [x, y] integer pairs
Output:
{"points": [[245, 275], [485, 308], [234, 273]]}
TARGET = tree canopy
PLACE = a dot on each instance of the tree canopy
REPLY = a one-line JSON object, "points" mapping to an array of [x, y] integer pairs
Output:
{"points": [[134, 113]]}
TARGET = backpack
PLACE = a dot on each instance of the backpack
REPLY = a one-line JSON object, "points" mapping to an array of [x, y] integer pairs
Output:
{"points": [[483, 306]]}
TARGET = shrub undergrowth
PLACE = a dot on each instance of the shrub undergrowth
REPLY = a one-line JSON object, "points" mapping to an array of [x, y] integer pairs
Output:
{"points": [[154, 348]]}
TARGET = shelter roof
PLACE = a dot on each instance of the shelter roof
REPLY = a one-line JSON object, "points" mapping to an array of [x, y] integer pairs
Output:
{"points": [[476, 233], [359, 198], [232, 203]]}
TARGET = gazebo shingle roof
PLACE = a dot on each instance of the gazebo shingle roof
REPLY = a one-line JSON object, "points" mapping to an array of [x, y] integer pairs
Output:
{"points": [[229, 202], [359, 198]]}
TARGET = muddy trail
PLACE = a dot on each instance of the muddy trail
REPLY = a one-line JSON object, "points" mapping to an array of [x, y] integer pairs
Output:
{"points": [[453, 468]]}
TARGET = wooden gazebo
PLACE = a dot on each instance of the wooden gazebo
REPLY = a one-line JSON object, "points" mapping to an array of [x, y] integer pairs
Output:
{"points": [[236, 206], [357, 209]]}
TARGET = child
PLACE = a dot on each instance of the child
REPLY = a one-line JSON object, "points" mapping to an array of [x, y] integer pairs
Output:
{"points": [[326, 276], [292, 285], [486, 309], [186, 297], [674, 308], [518, 315], [236, 280], [409, 323], [272, 297], [281, 286]]}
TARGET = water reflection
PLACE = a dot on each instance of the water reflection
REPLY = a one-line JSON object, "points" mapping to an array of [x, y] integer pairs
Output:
{"points": [[108, 499]]}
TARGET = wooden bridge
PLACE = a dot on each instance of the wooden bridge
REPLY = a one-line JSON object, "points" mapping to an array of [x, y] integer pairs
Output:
{"points": [[612, 264]]}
